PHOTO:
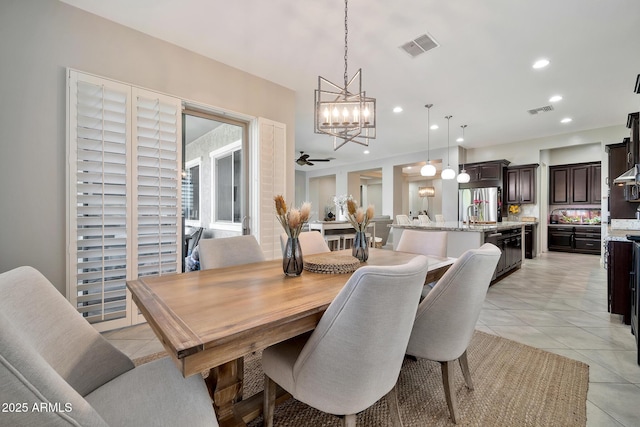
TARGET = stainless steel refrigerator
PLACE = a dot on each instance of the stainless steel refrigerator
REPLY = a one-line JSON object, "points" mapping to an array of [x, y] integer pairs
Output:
{"points": [[486, 200]]}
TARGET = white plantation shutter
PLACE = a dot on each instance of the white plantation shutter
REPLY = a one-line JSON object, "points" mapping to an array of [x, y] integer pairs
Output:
{"points": [[98, 188], [272, 181], [158, 162], [124, 198]]}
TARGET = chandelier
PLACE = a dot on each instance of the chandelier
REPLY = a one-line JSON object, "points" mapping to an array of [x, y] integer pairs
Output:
{"points": [[345, 113], [428, 169]]}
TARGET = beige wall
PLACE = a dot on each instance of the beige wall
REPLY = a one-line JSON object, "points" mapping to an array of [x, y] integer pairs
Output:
{"points": [[39, 39]]}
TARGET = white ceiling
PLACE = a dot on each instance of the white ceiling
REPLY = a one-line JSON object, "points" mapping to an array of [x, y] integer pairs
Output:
{"points": [[481, 74]]}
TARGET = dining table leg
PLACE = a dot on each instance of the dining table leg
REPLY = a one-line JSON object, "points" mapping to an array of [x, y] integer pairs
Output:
{"points": [[225, 383]]}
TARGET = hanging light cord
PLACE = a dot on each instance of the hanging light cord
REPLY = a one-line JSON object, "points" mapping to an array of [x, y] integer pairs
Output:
{"points": [[448, 155], [346, 33], [428, 129], [465, 151]]}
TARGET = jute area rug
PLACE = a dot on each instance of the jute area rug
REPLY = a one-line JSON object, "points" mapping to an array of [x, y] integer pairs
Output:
{"points": [[515, 385]]}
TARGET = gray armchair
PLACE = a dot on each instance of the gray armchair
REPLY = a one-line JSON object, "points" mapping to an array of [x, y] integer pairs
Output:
{"points": [[447, 317], [353, 357], [49, 355], [229, 251]]}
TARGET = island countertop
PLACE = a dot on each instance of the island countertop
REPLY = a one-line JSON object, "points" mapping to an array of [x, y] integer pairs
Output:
{"points": [[461, 226]]}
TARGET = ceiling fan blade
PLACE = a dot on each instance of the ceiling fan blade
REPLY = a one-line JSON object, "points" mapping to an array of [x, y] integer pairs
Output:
{"points": [[319, 160], [309, 163]]}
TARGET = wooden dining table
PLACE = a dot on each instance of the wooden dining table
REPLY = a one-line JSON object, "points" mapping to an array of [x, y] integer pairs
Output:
{"points": [[209, 320]]}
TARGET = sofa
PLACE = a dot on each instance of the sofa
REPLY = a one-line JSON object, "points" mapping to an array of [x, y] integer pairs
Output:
{"points": [[57, 370]]}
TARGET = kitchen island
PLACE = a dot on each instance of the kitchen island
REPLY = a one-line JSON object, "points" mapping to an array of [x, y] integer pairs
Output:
{"points": [[508, 236]]}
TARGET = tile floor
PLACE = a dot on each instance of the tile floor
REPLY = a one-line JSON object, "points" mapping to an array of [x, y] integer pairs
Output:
{"points": [[556, 302]]}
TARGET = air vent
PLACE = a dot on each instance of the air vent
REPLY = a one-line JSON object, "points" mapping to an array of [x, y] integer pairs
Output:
{"points": [[419, 45], [540, 110]]}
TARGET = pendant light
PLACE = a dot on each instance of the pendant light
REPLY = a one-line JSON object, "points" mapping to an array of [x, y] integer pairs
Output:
{"points": [[345, 112], [448, 173], [463, 177], [428, 169]]}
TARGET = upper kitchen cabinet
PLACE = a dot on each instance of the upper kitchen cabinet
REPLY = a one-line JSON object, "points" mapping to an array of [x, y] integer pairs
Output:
{"points": [[485, 174], [576, 184], [633, 143], [521, 184], [619, 208]]}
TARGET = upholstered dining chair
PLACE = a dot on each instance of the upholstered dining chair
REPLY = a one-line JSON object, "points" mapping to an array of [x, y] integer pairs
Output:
{"points": [[354, 355], [229, 251], [403, 220], [311, 242], [424, 219], [447, 317], [424, 243], [51, 356]]}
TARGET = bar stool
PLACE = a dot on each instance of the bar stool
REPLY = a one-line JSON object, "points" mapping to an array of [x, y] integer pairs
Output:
{"points": [[349, 237], [334, 241]]}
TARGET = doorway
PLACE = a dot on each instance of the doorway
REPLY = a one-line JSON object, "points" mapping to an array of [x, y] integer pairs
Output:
{"points": [[215, 196]]}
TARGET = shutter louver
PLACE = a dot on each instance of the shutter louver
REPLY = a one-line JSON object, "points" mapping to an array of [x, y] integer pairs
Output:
{"points": [[158, 123], [99, 193]]}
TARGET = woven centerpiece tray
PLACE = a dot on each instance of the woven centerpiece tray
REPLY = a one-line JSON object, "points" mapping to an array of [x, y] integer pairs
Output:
{"points": [[328, 263]]}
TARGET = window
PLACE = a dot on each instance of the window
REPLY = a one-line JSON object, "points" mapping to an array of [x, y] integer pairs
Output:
{"points": [[191, 178], [226, 165]]}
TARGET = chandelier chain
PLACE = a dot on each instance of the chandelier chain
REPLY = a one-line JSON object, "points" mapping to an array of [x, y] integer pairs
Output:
{"points": [[346, 33], [448, 150]]}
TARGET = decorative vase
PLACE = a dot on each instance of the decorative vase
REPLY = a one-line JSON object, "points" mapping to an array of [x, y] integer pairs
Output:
{"points": [[292, 257], [340, 216], [360, 248]]}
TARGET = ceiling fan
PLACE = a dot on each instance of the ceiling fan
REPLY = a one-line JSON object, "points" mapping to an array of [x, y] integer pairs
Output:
{"points": [[305, 160]]}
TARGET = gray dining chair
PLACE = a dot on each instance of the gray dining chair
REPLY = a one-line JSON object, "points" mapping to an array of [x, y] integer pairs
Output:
{"points": [[50, 355], [353, 357], [311, 242], [229, 251], [448, 315], [424, 243]]}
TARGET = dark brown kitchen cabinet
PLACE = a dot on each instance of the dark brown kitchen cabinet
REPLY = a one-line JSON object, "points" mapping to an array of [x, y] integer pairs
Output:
{"points": [[579, 239], [619, 208], [619, 264], [529, 241], [595, 192], [485, 174], [633, 143], [559, 181], [580, 184], [575, 184], [560, 238], [521, 184]]}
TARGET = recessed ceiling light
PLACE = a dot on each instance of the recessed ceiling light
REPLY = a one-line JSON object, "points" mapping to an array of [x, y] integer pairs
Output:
{"points": [[540, 63], [555, 98], [397, 109], [366, 151], [566, 120], [434, 127], [461, 139]]}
